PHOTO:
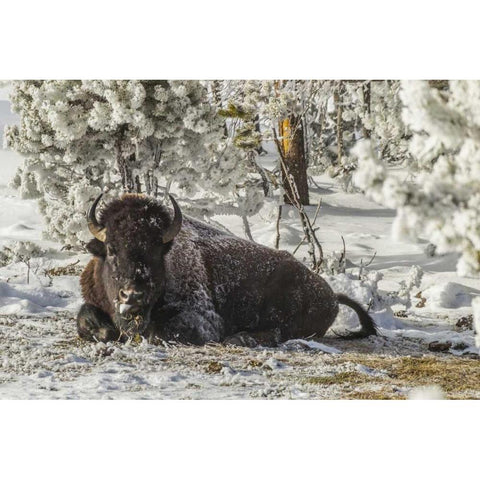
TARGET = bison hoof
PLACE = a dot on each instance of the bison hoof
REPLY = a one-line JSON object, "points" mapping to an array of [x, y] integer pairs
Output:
{"points": [[241, 339], [95, 325]]}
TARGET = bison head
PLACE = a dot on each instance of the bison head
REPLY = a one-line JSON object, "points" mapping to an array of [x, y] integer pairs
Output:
{"points": [[132, 237]]}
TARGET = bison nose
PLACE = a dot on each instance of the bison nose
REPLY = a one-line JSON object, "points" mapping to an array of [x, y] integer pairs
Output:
{"points": [[130, 296]]}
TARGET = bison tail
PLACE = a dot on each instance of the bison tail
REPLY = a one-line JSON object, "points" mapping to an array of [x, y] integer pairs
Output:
{"points": [[366, 321]]}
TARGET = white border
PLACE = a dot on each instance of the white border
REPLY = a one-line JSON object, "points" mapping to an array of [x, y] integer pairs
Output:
{"points": [[239, 439], [248, 39]]}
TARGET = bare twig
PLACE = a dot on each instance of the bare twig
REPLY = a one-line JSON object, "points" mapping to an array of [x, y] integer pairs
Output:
{"points": [[362, 266], [246, 228], [310, 179], [370, 305], [261, 171], [299, 245], [371, 260], [343, 257], [294, 198], [301, 242], [279, 217], [317, 211]]}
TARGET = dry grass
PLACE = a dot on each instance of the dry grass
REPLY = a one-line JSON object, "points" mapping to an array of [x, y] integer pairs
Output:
{"points": [[352, 378], [213, 367], [72, 269], [459, 378], [453, 375], [382, 394]]}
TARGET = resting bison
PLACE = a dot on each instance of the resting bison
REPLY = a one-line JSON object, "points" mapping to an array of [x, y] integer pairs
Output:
{"points": [[184, 280]]}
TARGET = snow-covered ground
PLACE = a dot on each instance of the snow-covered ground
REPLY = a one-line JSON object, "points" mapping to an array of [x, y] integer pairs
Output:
{"points": [[41, 356]]}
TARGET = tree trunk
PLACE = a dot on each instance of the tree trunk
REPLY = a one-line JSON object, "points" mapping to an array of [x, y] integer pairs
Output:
{"points": [[147, 180], [217, 97], [246, 228], [338, 99], [124, 164], [138, 185], [256, 121], [265, 182], [291, 131], [366, 88]]}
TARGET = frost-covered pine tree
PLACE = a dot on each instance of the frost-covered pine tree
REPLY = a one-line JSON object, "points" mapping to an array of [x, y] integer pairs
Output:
{"points": [[440, 199], [378, 106], [334, 116], [278, 106], [361, 110], [81, 137]]}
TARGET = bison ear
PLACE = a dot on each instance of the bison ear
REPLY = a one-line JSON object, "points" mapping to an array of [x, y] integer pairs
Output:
{"points": [[97, 248]]}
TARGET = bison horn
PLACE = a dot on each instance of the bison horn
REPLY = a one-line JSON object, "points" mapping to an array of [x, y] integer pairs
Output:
{"points": [[97, 230], [176, 224]]}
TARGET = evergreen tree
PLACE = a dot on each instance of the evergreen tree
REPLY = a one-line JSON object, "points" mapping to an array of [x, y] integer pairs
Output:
{"points": [[81, 137], [440, 199], [362, 109]]}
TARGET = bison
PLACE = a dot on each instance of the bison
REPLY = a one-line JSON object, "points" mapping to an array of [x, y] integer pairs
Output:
{"points": [[183, 280]]}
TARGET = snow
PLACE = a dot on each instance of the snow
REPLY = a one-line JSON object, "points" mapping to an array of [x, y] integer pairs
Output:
{"points": [[432, 392], [20, 299], [311, 344], [42, 357], [448, 295], [476, 318]]}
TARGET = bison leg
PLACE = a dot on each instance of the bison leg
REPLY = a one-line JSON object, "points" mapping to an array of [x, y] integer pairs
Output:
{"points": [[95, 325], [188, 326]]}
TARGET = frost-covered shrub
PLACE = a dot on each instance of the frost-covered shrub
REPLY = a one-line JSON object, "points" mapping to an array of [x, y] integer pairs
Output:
{"points": [[413, 280], [23, 252], [334, 263], [367, 280], [370, 280], [81, 137], [364, 291], [441, 199], [5, 258], [19, 252]]}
